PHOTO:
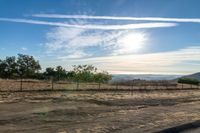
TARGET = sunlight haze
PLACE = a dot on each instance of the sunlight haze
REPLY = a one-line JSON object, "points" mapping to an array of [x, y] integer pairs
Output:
{"points": [[120, 37]]}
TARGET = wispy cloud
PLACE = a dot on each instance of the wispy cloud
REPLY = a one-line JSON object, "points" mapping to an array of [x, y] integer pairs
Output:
{"points": [[24, 49], [193, 20], [2, 48], [82, 43], [92, 26]]}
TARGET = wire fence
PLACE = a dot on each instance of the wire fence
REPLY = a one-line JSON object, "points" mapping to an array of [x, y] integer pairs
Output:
{"points": [[42, 85]]}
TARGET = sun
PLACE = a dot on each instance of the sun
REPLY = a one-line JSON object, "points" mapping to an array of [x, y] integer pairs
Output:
{"points": [[131, 42]]}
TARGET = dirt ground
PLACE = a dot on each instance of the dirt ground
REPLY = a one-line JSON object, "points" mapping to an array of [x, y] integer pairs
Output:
{"points": [[99, 112]]}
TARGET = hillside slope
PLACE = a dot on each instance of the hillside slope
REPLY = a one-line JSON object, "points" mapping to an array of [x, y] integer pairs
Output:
{"points": [[194, 76]]}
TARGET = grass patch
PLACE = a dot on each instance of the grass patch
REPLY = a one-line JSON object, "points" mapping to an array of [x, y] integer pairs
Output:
{"points": [[41, 115]]}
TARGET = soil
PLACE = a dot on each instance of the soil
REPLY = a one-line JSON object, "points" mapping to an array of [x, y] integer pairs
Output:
{"points": [[99, 112]]}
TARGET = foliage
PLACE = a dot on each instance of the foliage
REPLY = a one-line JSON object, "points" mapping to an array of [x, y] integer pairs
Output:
{"points": [[25, 66], [71, 76], [60, 73], [84, 73], [49, 72], [8, 67], [88, 73], [188, 81], [102, 77], [57, 73]]}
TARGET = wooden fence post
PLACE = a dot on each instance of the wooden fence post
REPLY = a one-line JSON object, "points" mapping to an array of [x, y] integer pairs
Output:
{"points": [[77, 85], [99, 85], [21, 84], [132, 85], [132, 89], [52, 87], [145, 86], [52, 82]]}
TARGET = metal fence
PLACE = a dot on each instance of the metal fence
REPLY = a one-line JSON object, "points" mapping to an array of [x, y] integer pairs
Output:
{"points": [[34, 85]]}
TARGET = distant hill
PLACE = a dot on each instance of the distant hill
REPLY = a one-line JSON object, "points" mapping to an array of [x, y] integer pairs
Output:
{"points": [[193, 76], [126, 77]]}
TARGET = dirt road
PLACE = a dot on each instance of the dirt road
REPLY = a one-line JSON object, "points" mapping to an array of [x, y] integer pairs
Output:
{"points": [[100, 112]]}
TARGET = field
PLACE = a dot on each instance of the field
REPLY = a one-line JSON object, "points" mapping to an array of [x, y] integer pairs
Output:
{"points": [[97, 111], [27, 85]]}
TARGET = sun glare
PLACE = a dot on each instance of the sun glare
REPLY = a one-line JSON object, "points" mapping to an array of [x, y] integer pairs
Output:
{"points": [[132, 42]]}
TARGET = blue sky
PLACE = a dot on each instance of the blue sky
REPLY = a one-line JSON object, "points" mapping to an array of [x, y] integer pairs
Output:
{"points": [[120, 36]]}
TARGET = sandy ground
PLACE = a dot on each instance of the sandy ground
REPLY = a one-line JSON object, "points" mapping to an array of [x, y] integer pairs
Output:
{"points": [[99, 112]]}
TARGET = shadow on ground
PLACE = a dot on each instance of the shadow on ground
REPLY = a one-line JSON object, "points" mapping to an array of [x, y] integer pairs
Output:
{"points": [[182, 128]]}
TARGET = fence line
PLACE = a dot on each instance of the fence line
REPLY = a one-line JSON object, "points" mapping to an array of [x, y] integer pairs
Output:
{"points": [[26, 85]]}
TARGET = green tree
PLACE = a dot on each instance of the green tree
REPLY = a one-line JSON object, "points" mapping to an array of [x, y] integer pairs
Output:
{"points": [[8, 67], [61, 73], [71, 76], [188, 81], [102, 77], [49, 72], [3, 69], [84, 73], [27, 66], [11, 66]]}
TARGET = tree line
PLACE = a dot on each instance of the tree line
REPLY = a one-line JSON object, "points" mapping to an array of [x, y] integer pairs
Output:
{"points": [[188, 81], [27, 67]]}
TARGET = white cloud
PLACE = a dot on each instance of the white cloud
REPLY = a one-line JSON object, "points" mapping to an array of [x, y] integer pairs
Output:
{"points": [[74, 43], [193, 20], [24, 49], [92, 26], [182, 61], [59, 37]]}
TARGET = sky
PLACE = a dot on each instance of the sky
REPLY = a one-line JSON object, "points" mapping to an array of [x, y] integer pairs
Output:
{"points": [[119, 36]]}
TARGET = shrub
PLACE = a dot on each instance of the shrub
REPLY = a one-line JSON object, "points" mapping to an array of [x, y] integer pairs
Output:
{"points": [[188, 81]]}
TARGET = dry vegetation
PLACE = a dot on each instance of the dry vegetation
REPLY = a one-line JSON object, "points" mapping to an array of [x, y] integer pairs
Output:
{"points": [[93, 111], [14, 85]]}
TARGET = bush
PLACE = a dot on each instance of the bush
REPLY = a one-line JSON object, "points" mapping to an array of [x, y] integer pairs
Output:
{"points": [[188, 81]]}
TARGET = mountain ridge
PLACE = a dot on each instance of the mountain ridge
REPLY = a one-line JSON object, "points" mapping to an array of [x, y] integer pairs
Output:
{"points": [[193, 76]]}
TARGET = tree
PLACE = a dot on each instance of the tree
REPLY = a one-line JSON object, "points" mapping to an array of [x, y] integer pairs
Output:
{"points": [[188, 81], [27, 66], [50, 72], [11, 66], [61, 73], [84, 68], [58, 73], [2, 69], [84, 73], [8, 67], [102, 77], [71, 76]]}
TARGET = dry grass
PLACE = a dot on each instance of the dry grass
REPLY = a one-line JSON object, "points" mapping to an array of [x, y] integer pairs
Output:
{"points": [[94, 111], [14, 85], [90, 111]]}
